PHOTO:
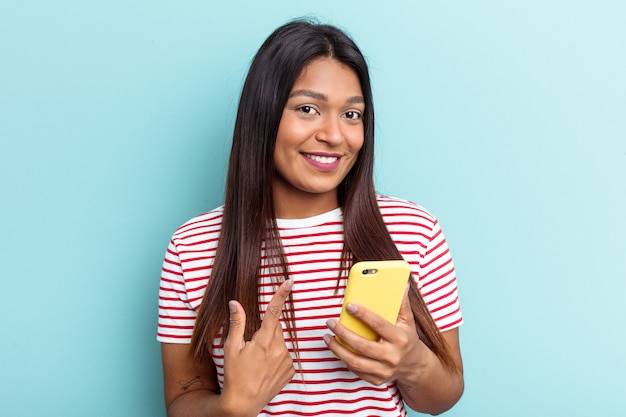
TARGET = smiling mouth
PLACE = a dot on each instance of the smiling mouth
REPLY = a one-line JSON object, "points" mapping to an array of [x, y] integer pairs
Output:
{"points": [[322, 159]]}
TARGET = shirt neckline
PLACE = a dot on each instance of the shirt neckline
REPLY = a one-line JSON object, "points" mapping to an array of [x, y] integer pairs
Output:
{"points": [[329, 216]]}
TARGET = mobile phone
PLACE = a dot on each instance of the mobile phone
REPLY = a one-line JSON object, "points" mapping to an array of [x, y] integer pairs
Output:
{"points": [[379, 286]]}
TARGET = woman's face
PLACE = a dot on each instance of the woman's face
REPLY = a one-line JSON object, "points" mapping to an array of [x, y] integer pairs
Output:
{"points": [[319, 138]]}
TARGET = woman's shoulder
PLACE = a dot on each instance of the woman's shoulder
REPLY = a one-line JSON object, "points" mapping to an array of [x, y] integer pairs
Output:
{"points": [[394, 207], [206, 223]]}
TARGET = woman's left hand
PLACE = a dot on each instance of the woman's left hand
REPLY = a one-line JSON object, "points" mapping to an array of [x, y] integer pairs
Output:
{"points": [[398, 351]]}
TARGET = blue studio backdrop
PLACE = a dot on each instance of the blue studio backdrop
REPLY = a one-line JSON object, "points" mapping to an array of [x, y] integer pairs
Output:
{"points": [[505, 119]]}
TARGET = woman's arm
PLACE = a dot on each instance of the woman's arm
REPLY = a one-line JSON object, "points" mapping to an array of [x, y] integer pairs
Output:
{"points": [[425, 383], [254, 371], [188, 388], [434, 389]]}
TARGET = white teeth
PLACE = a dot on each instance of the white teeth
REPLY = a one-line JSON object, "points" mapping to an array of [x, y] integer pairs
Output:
{"points": [[322, 159]]}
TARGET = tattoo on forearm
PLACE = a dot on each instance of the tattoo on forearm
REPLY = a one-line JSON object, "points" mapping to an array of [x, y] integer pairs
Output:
{"points": [[185, 385]]}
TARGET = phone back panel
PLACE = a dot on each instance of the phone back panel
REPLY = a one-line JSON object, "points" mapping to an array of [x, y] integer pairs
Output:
{"points": [[380, 289]]}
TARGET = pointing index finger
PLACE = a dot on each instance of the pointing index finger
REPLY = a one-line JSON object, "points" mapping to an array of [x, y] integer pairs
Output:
{"points": [[275, 307]]}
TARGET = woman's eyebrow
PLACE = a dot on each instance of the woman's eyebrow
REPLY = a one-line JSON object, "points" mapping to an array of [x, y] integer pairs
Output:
{"points": [[322, 97], [309, 93], [355, 100]]}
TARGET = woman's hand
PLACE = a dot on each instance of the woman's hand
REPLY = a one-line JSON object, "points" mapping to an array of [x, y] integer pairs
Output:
{"points": [[400, 356], [398, 351], [256, 370]]}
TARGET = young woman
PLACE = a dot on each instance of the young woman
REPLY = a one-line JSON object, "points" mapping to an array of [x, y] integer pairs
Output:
{"points": [[251, 291]]}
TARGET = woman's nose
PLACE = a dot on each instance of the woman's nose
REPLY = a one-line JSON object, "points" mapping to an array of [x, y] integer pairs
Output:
{"points": [[330, 131]]}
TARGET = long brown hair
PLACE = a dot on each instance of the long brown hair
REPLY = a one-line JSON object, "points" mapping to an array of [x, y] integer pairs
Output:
{"points": [[248, 221]]}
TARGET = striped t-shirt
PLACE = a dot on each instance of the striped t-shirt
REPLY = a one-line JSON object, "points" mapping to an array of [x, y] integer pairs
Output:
{"points": [[322, 385]]}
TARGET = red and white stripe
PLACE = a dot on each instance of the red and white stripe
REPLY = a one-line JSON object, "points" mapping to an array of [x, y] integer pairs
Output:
{"points": [[323, 386]]}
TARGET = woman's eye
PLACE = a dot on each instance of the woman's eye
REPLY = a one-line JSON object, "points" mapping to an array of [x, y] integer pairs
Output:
{"points": [[307, 109], [353, 115]]}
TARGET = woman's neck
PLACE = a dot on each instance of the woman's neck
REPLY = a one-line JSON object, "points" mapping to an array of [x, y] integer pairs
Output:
{"points": [[302, 205]]}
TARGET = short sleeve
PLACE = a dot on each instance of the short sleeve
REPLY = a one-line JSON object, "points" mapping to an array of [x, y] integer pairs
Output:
{"points": [[176, 316], [437, 281]]}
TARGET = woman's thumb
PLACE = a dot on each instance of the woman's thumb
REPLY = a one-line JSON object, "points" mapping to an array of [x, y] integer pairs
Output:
{"points": [[406, 314], [237, 326]]}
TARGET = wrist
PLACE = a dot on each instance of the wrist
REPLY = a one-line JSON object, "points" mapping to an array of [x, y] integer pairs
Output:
{"points": [[416, 368], [233, 406]]}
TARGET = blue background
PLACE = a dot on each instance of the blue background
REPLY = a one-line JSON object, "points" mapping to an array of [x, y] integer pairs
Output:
{"points": [[505, 119]]}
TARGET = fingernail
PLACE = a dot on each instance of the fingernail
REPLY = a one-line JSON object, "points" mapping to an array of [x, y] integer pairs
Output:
{"points": [[331, 324], [288, 285], [232, 307], [352, 308], [327, 339]]}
